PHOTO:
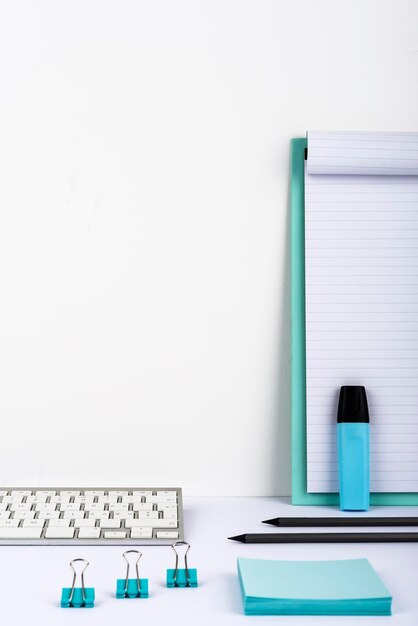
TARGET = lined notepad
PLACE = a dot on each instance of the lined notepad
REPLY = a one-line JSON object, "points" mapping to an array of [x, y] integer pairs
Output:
{"points": [[361, 274]]}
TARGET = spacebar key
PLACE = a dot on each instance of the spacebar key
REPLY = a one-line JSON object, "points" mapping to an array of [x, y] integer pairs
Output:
{"points": [[11, 532]]}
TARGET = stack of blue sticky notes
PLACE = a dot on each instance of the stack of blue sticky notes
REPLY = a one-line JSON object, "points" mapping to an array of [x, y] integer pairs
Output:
{"points": [[350, 587]]}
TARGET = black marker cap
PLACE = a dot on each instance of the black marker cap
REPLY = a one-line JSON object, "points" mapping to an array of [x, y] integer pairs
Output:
{"points": [[352, 405]]}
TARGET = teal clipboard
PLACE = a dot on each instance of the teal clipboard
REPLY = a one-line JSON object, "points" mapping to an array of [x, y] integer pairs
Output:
{"points": [[298, 369]]}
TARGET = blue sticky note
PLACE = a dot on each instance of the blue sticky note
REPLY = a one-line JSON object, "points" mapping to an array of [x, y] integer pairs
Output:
{"points": [[345, 587]]}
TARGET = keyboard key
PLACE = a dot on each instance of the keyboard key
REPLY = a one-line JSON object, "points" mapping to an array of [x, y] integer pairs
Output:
{"points": [[70, 493], [33, 523], [3, 493], [59, 532], [99, 514], [36, 499], [46, 492], [137, 533], [119, 507], [143, 506], [20, 507], [131, 500], [89, 533], [123, 514], [11, 499], [148, 514], [166, 506], [4, 514], [6, 523], [25, 514], [160, 499], [131, 523], [60, 523], [84, 523], [48, 515], [84, 499], [134, 496], [46, 506], [69, 506], [21, 493], [110, 523], [170, 514], [94, 506], [115, 534], [94, 493], [73, 514], [20, 533], [107, 499], [167, 534], [59, 499]]}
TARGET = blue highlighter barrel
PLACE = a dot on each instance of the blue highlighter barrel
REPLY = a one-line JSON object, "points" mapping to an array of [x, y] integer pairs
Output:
{"points": [[353, 437]]}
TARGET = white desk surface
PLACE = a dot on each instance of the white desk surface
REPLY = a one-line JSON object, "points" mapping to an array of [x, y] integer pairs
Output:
{"points": [[32, 577]]}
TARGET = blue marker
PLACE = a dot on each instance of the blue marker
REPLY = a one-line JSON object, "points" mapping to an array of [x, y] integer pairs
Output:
{"points": [[353, 449]]}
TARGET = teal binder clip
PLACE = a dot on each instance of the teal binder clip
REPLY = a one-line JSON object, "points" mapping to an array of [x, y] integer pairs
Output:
{"points": [[181, 577], [132, 587], [77, 597]]}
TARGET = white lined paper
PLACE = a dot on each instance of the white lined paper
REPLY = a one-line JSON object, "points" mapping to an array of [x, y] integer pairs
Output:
{"points": [[371, 153], [361, 277]]}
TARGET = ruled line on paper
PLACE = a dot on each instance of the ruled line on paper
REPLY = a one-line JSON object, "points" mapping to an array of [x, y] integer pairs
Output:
{"points": [[361, 255]]}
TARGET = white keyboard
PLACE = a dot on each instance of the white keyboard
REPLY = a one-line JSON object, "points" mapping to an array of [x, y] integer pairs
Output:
{"points": [[91, 516]]}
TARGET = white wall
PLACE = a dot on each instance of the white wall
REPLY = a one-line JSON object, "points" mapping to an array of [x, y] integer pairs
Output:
{"points": [[144, 255]]}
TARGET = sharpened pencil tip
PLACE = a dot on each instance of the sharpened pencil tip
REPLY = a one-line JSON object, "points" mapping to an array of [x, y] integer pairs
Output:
{"points": [[273, 521], [240, 538]]}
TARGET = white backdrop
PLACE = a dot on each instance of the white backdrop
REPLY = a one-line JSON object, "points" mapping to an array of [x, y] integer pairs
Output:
{"points": [[144, 249]]}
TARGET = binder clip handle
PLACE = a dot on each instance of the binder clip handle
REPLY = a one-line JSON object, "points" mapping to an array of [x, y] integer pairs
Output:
{"points": [[78, 597], [136, 568], [176, 568], [132, 587], [83, 589], [181, 577]]}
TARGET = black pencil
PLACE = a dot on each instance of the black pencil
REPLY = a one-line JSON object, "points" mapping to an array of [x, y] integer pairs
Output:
{"points": [[342, 521], [326, 537]]}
